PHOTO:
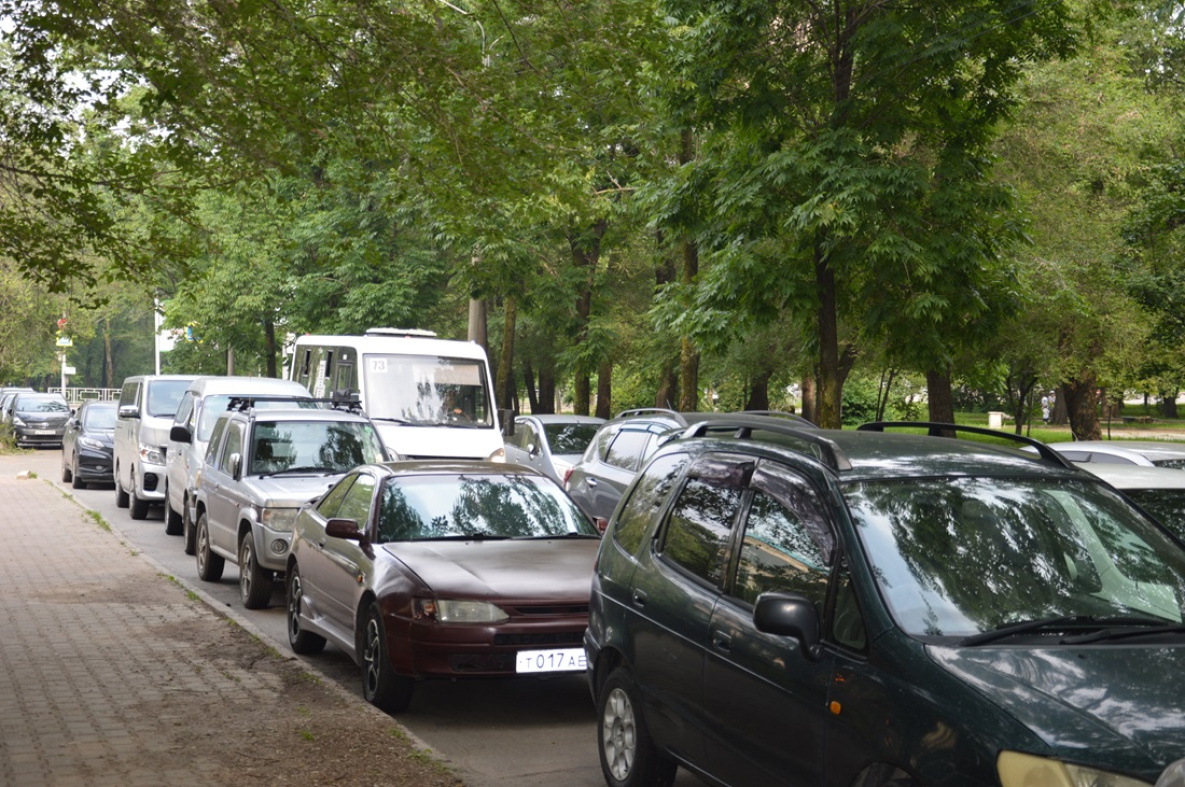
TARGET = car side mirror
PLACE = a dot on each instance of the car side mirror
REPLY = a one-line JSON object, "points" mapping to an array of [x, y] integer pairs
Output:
{"points": [[235, 466], [532, 450], [344, 528], [129, 411], [602, 524], [790, 615], [180, 434]]}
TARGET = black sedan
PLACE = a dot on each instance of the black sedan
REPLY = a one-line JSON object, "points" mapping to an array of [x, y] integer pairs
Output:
{"points": [[88, 445], [440, 569]]}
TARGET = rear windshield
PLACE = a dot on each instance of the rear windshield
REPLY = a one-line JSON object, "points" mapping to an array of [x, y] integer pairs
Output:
{"points": [[569, 438]]}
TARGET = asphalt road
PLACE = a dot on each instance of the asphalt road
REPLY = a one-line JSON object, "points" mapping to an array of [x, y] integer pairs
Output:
{"points": [[495, 733]]}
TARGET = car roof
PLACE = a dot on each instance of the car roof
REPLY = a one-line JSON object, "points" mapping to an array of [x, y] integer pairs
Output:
{"points": [[297, 414], [457, 467], [867, 454], [560, 418], [1136, 476], [247, 385], [1151, 449]]}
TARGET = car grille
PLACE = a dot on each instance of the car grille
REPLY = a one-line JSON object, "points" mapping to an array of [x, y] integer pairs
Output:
{"points": [[562, 610], [557, 638]]}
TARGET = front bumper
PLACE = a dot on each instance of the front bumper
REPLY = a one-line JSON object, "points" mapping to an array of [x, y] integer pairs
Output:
{"points": [[38, 435], [95, 466], [150, 481], [272, 547]]}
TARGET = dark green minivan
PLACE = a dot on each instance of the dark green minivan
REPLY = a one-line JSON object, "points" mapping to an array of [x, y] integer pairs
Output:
{"points": [[775, 605]]}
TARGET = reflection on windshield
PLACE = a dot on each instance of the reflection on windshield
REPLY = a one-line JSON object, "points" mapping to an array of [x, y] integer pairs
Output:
{"points": [[1167, 505], [421, 507], [427, 390], [961, 556], [569, 438], [41, 404], [100, 418], [282, 446]]}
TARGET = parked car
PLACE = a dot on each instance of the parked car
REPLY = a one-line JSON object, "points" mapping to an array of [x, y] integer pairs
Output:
{"points": [[552, 444], [147, 404], [39, 419], [6, 397], [1158, 490], [202, 402], [622, 445], [1150, 453], [442, 569], [261, 466], [779, 605], [88, 445]]}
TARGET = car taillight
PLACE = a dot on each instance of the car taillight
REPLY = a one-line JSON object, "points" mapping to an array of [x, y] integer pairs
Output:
{"points": [[567, 475]]}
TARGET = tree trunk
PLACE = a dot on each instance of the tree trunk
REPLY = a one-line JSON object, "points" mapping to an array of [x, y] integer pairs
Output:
{"points": [[605, 390], [667, 392], [478, 329], [829, 413], [809, 398], [1168, 404], [586, 250], [688, 354], [547, 397], [108, 361], [1081, 396], [529, 383], [942, 401], [506, 388], [759, 395], [230, 362], [269, 343]]}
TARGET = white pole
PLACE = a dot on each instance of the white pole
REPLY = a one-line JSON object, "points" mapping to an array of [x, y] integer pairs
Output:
{"points": [[157, 321]]}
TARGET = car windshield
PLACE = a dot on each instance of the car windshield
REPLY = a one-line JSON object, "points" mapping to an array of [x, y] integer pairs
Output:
{"points": [[427, 390], [100, 418], [1177, 463], [961, 556], [313, 446], [1167, 505], [569, 438], [49, 403], [164, 396], [477, 506]]}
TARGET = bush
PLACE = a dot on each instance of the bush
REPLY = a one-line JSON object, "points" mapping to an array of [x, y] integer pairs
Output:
{"points": [[7, 439]]}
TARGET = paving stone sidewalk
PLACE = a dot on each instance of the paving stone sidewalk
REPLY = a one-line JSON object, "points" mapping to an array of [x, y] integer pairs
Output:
{"points": [[111, 674]]}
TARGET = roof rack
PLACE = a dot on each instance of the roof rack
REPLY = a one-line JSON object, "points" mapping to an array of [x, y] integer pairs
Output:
{"points": [[938, 429], [338, 401], [778, 414], [247, 401], [830, 453], [652, 411]]}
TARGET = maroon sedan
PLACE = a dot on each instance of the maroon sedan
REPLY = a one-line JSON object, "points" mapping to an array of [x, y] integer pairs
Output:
{"points": [[441, 569]]}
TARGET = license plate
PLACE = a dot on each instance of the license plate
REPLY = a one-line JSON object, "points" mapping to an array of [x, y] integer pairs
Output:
{"points": [[556, 660], [44, 431]]}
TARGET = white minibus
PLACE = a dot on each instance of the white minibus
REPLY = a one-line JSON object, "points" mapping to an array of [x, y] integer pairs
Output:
{"points": [[430, 398]]}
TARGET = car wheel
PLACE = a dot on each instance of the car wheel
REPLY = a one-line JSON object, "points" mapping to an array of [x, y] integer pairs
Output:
{"points": [[67, 475], [255, 581], [209, 565], [628, 757], [138, 505], [173, 524], [121, 496], [188, 531], [380, 685], [303, 642], [75, 481]]}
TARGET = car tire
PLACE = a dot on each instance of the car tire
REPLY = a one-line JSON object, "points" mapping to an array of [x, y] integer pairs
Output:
{"points": [[138, 506], [302, 642], [67, 473], [188, 529], [122, 500], [255, 581], [381, 687], [629, 757], [173, 523], [209, 565]]}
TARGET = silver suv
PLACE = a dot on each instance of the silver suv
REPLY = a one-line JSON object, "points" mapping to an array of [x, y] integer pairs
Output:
{"points": [[262, 465]]}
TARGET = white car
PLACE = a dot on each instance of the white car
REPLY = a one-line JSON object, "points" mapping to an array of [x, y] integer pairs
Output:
{"points": [[1149, 453], [1158, 490]]}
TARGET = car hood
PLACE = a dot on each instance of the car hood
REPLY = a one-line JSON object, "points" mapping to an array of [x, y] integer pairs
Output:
{"points": [[289, 491], [557, 569], [40, 417], [1122, 703], [105, 437]]}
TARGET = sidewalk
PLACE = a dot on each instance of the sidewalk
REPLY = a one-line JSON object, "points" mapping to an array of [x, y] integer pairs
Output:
{"points": [[111, 674]]}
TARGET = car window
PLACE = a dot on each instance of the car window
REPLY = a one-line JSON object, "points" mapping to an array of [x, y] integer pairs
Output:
{"points": [[331, 503], [626, 450], [164, 396], [185, 410], [99, 418], [232, 445], [569, 438], [778, 553], [1167, 505], [600, 445], [356, 504], [283, 445], [527, 436], [215, 441], [1107, 459], [646, 500], [128, 394], [696, 535]]}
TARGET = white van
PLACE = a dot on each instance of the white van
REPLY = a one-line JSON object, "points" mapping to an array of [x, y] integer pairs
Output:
{"points": [[430, 398], [147, 404]]}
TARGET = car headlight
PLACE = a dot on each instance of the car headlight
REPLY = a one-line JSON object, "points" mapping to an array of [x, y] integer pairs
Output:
{"points": [[1027, 770], [458, 611], [498, 456], [278, 518], [152, 455], [91, 443], [16, 421]]}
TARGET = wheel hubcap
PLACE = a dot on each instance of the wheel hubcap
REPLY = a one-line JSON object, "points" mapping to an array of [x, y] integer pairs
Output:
{"points": [[370, 656], [294, 607], [619, 734], [246, 566]]}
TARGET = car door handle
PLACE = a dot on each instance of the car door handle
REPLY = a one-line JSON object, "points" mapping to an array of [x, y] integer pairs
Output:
{"points": [[591, 482], [321, 544], [639, 598], [721, 641]]}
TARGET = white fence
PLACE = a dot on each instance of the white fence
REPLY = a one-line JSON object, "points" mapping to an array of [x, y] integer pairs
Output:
{"points": [[80, 395]]}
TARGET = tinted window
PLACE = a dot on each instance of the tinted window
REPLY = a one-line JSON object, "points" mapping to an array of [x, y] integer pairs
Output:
{"points": [[778, 553], [356, 504], [127, 396], [232, 445], [185, 410], [569, 438], [164, 396], [626, 450], [646, 500], [332, 501], [295, 446], [1167, 505], [450, 506], [219, 428], [696, 535], [99, 417]]}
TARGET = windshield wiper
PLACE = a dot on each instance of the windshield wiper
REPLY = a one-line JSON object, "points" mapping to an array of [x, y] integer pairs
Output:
{"points": [[1052, 625], [389, 418], [565, 535], [467, 537], [1147, 628], [305, 469]]}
